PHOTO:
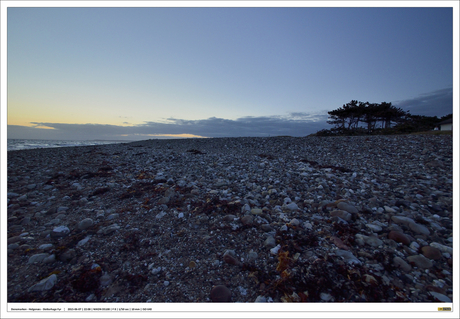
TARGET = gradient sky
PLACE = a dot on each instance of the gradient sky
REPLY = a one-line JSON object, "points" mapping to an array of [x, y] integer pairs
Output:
{"points": [[139, 73]]}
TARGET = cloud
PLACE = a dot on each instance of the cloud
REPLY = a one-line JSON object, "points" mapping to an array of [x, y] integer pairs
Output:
{"points": [[436, 103], [294, 124]]}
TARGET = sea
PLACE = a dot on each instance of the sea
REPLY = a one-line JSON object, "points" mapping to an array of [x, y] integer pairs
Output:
{"points": [[22, 144]]}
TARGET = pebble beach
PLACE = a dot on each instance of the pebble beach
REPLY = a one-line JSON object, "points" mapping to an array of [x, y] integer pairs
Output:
{"points": [[250, 219]]}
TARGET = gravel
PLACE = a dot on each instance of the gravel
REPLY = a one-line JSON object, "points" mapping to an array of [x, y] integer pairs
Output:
{"points": [[280, 219]]}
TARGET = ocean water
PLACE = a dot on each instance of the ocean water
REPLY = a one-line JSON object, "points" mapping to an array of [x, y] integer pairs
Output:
{"points": [[20, 144]]}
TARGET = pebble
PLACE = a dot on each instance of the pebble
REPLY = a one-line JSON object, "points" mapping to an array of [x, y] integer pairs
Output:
{"points": [[83, 241], [399, 262], [105, 280], [109, 229], [342, 214], [443, 248], [85, 224], [60, 231], [373, 241], [374, 228], [339, 243], [275, 250], [220, 293], [439, 297], [50, 259], [37, 258], [230, 257], [113, 216], [270, 242], [46, 246], [420, 261], [347, 256], [326, 297], [247, 220], [292, 207], [419, 229], [389, 210], [347, 207], [44, 284], [399, 237], [431, 252]]}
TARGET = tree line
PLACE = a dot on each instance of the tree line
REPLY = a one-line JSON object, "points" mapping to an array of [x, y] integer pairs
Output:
{"points": [[360, 118]]}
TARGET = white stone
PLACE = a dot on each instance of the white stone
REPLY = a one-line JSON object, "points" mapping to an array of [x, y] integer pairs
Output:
{"points": [[274, 250], [37, 258], [45, 284]]}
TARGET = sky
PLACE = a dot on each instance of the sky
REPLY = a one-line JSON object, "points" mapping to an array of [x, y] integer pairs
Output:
{"points": [[139, 73]]}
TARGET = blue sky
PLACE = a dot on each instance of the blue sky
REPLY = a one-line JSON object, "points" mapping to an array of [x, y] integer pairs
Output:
{"points": [[139, 73]]}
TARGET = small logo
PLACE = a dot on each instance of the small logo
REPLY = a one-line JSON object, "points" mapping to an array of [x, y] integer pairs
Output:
{"points": [[444, 309]]}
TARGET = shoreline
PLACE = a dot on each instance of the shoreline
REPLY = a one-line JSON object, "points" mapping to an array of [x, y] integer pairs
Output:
{"points": [[168, 220]]}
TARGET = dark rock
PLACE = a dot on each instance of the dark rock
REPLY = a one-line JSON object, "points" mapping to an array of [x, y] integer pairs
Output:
{"points": [[399, 237], [220, 294]]}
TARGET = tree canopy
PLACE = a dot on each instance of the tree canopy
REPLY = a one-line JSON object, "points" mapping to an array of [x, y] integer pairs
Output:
{"points": [[358, 117]]}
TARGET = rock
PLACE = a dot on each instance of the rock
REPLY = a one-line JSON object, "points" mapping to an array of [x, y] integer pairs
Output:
{"points": [[325, 296], [160, 215], [261, 299], [45, 284], [50, 259], [12, 195], [399, 237], [294, 222], [419, 229], [399, 262], [37, 258], [256, 211], [67, 255], [62, 209], [370, 279], [374, 228], [229, 218], [342, 214], [347, 256], [388, 209], [13, 246], [105, 280], [46, 246], [247, 220], [60, 231], [113, 216], [431, 252], [292, 206], [252, 256], [420, 261], [373, 241], [274, 250], [443, 248], [230, 257], [402, 220], [270, 242], [108, 230], [339, 243], [15, 228], [85, 224], [439, 297], [347, 207], [220, 294], [83, 241], [266, 227]]}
